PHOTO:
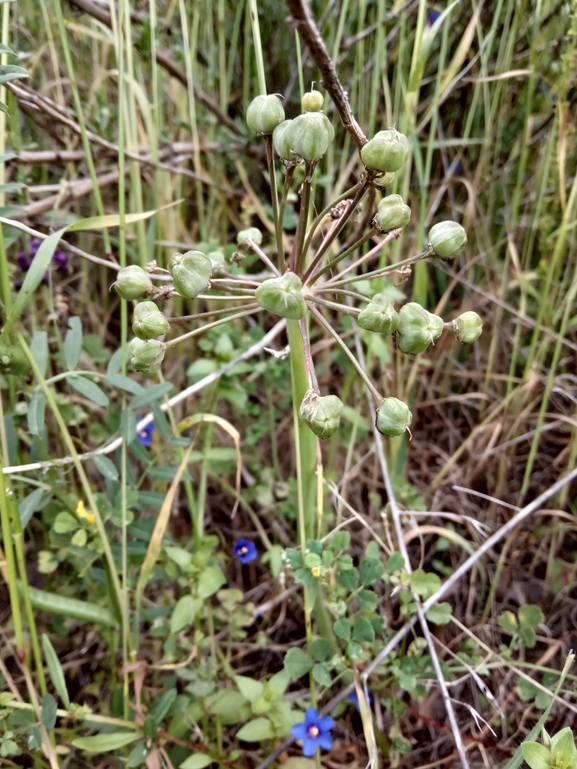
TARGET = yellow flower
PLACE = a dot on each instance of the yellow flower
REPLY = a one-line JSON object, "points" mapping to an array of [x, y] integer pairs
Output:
{"points": [[90, 518], [316, 571], [81, 510]]}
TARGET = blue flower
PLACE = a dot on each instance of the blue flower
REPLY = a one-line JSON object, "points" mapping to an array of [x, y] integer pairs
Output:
{"points": [[355, 699], [245, 551], [432, 17], [314, 732], [145, 435]]}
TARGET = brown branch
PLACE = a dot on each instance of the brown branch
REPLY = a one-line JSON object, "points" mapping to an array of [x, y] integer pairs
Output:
{"points": [[303, 20], [97, 11]]}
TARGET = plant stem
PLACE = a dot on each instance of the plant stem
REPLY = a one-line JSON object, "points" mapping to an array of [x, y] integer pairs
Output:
{"points": [[334, 305], [274, 201], [327, 209], [257, 46], [216, 323], [299, 254], [342, 256]]}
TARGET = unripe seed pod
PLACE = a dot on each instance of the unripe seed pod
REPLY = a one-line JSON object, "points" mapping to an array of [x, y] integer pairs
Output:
{"points": [[386, 151], [417, 328], [13, 360], [468, 327], [393, 213], [310, 135], [149, 322], [133, 283], [379, 315], [448, 239], [393, 417], [281, 140], [312, 101], [146, 357], [252, 232], [264, 113], [321, 413], [283, 296], [190, 272]]}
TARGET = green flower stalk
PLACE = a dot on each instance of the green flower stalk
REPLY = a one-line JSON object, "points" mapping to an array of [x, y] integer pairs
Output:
{"points": [[133, 283], [393, 417]]}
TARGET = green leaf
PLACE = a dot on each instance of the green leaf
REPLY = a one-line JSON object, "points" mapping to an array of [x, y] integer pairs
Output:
{"points": [[128, 425], [530, 616], [137, 756], [150, 394], [536, 755], [278, 684], [370, 570], [11, 187], [73, 342], [226, 703], [528, 636], [39, 350], [197, 761], [293, 558], [322, 675], [341, 540], [363, 630], [48, 713], [10, 72], [305, 577], [182, 614], [84, 611], [5, 49], [274, 556], [55, 670], [348, 579], [395, 562], [36, 412], [320, 648], [297, 662], [88, 389], [124, 383], [342, 628], [107, 742], [354, 650], [507, 621], [210, 581], [424, 584], [30, 504], [106, 466], [367, 600], [179, 555], [256, 730], [440, 614], [314, 546], [249, 688], [162, 705], [65, 523]]}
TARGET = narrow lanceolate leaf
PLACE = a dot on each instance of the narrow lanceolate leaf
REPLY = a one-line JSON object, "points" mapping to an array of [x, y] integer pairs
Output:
{"points": [[55, 670], [84, 611], [11, 72], [88, 389], [36, 411], [128, 425], [39, 350], [48, 713], [124, 383], [11, 187], [105, 743], [106, 467], [73, 343]]}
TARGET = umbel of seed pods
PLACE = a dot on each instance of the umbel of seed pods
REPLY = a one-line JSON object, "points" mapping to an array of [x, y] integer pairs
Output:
{"points": [[307, 138]]}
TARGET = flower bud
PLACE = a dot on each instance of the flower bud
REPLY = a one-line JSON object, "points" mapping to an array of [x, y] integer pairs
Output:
{"points": [[379, 315], [386, 151], [321, 413], [264, 114], [252, 232], [417, 328], [133, 283], [146, 357], [310, 135], [393, 417], [448, 239], [281, 140], [467, 327], [312, 101], [190, 272], [149, 322], [283, 296], [393, 213]]}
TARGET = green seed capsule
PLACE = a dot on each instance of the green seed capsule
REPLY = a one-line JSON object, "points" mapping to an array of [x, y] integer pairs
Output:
{"points": [[149, 322], [468, 327], [379, 315], [312, 101], [264, 114], [310, 135], [393, 213], [133, 283], [252, 233], [417, 328], [321, 413], [281, 140], [283, 296], [448, 239], [146, 357], [190, 272], [393, 417], [386, 151], [13, 360]]}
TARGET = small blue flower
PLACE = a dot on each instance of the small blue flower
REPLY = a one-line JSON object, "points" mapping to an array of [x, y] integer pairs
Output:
{"points": [[314, 732], [355, 699], [432, 17], [245, 551], [145, 435]]}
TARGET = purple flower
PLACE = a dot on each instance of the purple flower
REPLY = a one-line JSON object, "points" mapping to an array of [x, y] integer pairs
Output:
{"points": [[432, 17], [314, 732], [25, 258], [145, 435], [245, 550], [354, 698]]}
